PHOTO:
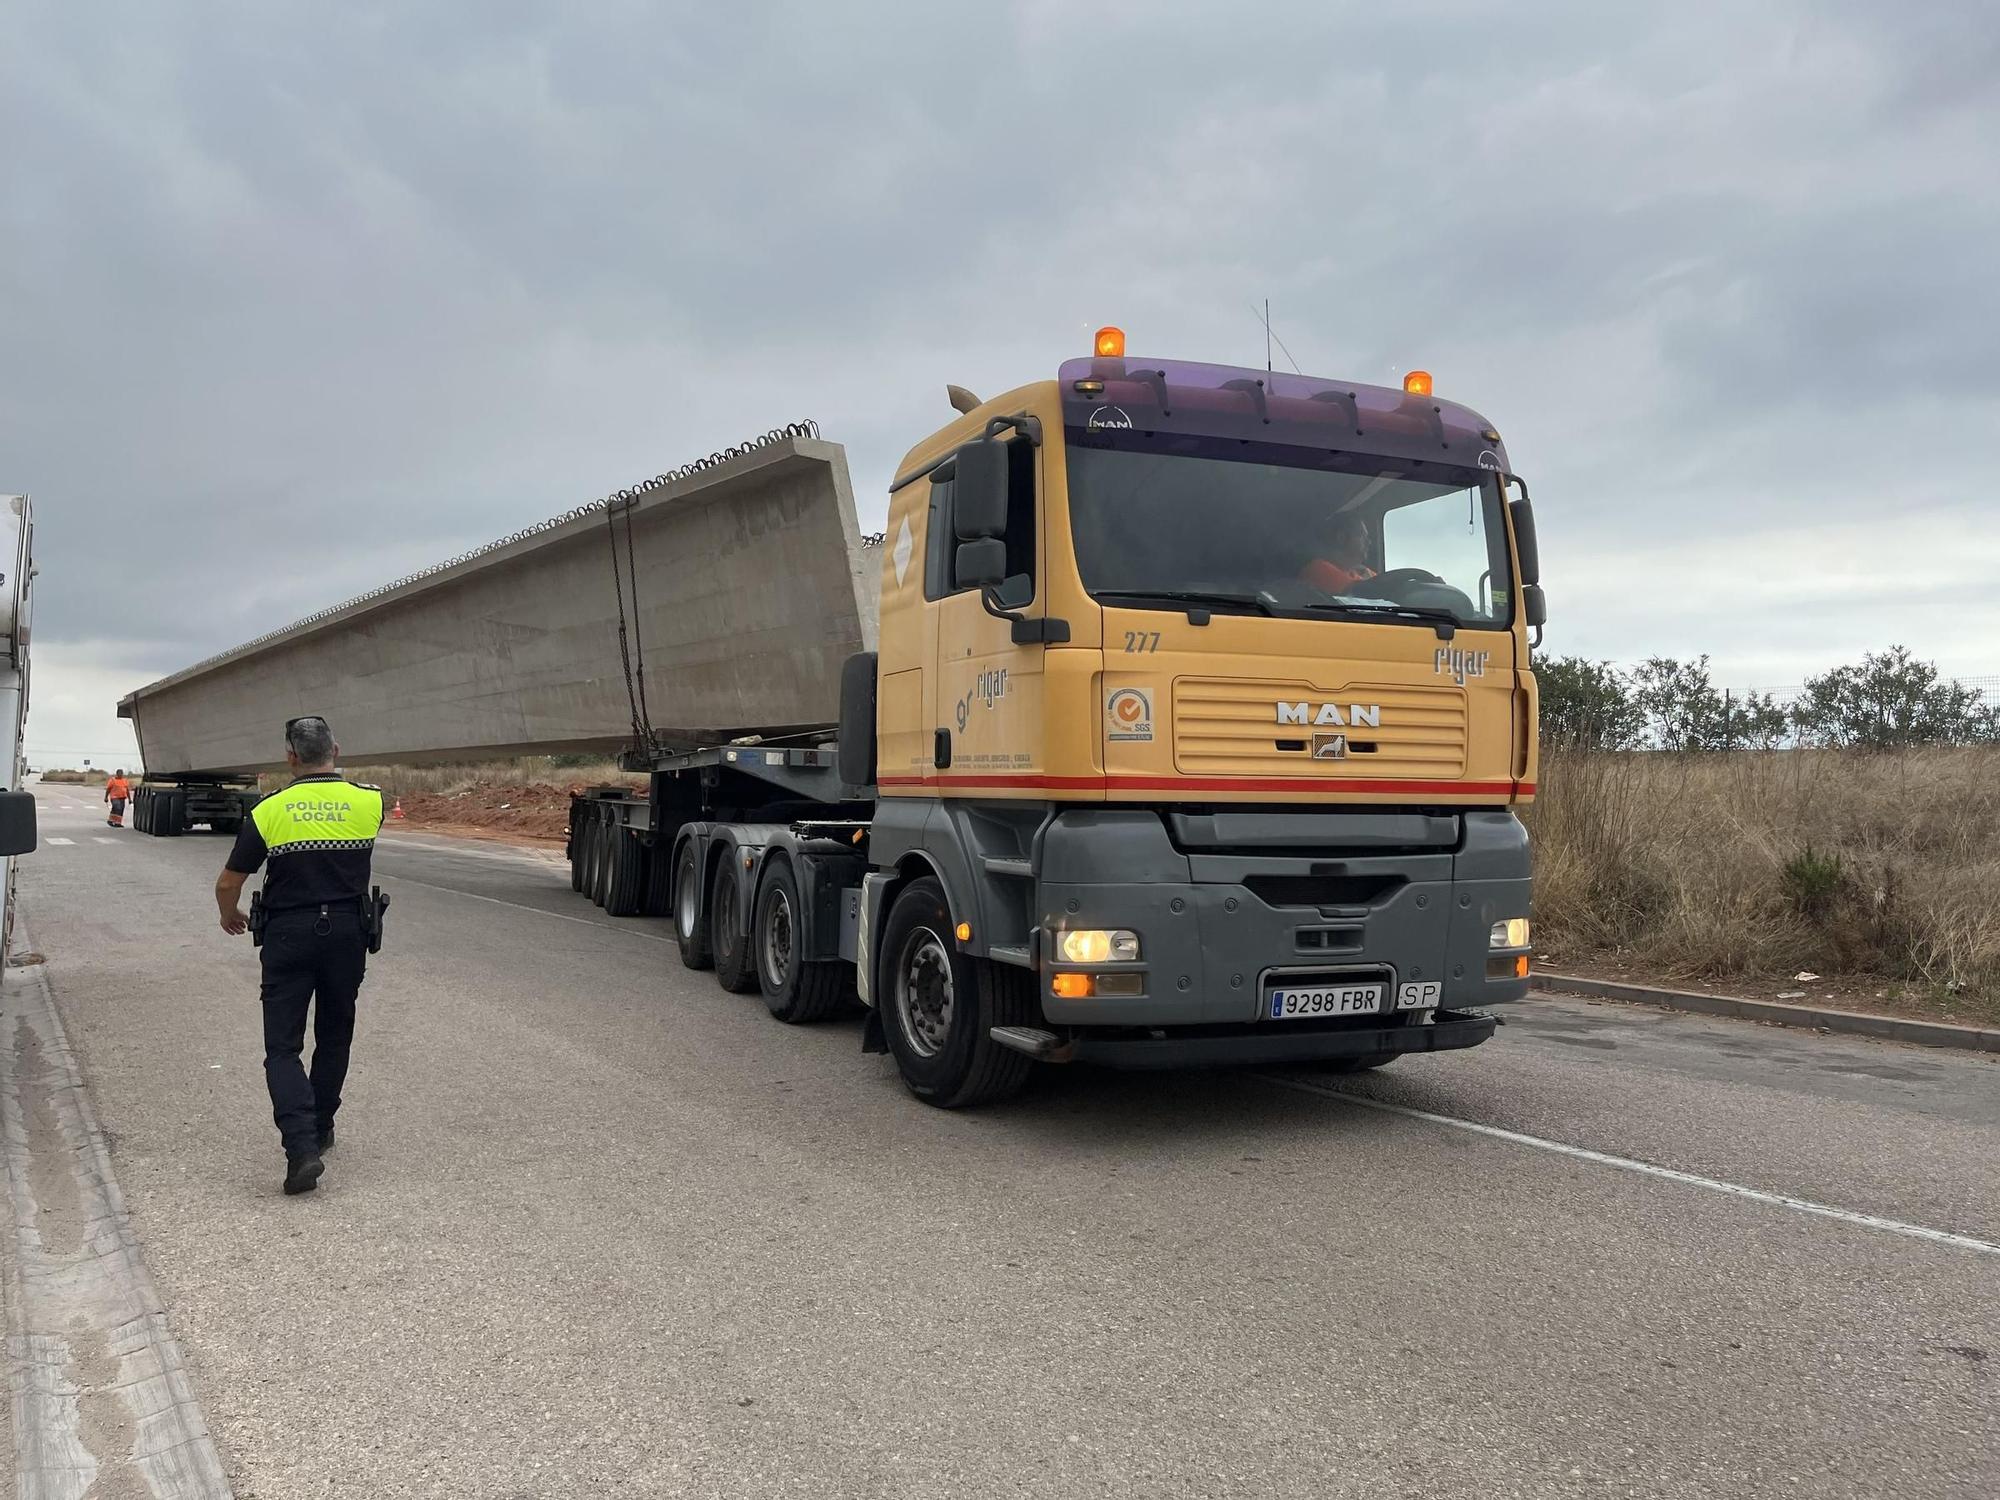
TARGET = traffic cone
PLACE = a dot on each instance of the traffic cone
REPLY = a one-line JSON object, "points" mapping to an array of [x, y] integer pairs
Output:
{"points": [[397, 810]]}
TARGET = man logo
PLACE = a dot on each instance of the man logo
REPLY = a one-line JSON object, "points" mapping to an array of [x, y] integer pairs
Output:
{"points": [[1328, 715], [1329, 747]]}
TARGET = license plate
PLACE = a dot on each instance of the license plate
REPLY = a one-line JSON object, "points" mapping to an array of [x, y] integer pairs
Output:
{"points": [[1320, 1000], [1420, 996]]}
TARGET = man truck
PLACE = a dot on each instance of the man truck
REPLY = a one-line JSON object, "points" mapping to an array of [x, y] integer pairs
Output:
{"points": [[1199, 715]]}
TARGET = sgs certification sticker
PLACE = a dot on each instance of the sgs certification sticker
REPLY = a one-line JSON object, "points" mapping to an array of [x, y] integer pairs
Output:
{"points": [[1129, 715]]}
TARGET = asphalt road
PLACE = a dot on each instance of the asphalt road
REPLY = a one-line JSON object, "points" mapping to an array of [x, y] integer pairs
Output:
{"points": [[595, 1227]]}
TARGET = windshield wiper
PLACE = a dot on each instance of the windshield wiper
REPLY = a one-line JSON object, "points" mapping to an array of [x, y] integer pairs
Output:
{"points": [[1442, 620], [1196, 597]]}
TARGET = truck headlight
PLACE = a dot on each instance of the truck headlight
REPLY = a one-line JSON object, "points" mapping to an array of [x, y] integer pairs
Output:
{"points": [[1512, 933], [1096, 945]]}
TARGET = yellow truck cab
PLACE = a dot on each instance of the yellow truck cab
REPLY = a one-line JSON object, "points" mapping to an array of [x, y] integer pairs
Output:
{"points": [[1201, 711], [1198, 717]]}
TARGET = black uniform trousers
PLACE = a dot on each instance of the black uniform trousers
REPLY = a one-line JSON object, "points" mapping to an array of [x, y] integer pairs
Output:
{"points": [[309, 956]]}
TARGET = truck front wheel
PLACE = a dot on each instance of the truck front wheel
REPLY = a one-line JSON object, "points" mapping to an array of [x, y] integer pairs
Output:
{"points": [[941, 1005]]}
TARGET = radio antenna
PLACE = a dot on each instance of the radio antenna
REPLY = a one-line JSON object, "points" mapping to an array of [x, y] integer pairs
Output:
{"points": [[1271, 334]]}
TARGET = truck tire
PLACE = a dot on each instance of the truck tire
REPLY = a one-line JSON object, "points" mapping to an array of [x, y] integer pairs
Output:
{"points": [[690, 931], [579, 844], [140, 803], [940, 1007], [601, 833], [795, 991], [172, 813], [734, 970], [625, 884], [658, 899]]}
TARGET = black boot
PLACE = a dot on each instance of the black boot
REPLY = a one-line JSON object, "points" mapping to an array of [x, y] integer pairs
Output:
{"points": [[325, 1139], [302, 1173]]}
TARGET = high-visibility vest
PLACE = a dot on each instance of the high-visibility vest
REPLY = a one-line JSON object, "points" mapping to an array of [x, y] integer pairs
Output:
{"points": [[323, 813]]}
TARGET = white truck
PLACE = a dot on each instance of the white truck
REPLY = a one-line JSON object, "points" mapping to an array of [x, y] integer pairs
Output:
{"points": [[17, 804]]}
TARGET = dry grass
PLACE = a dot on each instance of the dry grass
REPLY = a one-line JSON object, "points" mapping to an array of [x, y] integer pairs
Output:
{"points": [[1751, 864]]}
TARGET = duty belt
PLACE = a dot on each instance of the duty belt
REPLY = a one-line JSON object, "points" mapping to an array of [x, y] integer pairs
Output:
{"points": [[370, 908]]}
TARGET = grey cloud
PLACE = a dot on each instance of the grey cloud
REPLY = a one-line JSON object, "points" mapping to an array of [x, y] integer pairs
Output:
{"points": [[431, 273]]}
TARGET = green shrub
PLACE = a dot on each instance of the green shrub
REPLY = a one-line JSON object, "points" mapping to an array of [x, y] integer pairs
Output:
{"points": [[1815, 884]]}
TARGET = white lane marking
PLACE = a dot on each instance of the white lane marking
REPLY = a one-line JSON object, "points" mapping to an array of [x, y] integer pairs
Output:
{"points": [[105, 838], [53, 840], [560, 916], [1627, 1164]]}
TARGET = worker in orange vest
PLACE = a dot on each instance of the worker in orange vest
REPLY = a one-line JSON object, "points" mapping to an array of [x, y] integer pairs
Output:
{"points": [[1346, 562], [117, 791]]}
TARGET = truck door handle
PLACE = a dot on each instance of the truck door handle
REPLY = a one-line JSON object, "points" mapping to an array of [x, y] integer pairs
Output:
{"points": [[941, 749]]}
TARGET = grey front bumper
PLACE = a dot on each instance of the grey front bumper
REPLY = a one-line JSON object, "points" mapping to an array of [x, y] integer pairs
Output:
{"points": [[1217, 924], [1255, 1047]]}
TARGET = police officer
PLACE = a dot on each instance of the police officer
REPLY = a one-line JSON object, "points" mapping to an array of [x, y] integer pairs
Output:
{"points": [[318, 834]]}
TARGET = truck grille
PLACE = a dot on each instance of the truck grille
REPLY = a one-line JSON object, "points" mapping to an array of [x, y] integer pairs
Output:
{"points": [[1232, 729]]}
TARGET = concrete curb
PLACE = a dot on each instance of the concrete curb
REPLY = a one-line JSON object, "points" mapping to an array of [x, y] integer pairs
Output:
{"points": [[101, 1395], [1853, 1023]]}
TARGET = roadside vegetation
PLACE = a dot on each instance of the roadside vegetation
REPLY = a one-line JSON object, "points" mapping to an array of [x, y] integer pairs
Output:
{"points": [[1853, 834]]}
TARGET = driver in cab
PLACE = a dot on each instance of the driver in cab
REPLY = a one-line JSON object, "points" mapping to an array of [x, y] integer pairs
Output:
{"points": [[1346, 561]]}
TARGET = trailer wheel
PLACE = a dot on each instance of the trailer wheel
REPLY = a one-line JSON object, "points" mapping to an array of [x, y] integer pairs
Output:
{"points": [[601, 852], [733, 968], [172, 814], [941, 1005], [625, 884], [795, 991], [579, 843], [689, 929], [657, 901], [140, 802]]}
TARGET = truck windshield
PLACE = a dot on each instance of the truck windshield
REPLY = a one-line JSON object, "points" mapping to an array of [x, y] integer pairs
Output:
{"points": [[1282, 530]]}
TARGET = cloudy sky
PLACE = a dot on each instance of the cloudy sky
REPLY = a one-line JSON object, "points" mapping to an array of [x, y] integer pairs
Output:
{"points": [[297, 298]]}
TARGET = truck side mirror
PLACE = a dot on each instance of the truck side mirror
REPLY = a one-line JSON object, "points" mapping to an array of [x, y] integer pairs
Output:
{"points": [[1537, 604], [979, 492], [1523, 513], [980, 564], [17, 823]]}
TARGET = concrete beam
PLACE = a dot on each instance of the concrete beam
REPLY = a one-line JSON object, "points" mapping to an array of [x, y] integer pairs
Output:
{"points": [[752, 590]]}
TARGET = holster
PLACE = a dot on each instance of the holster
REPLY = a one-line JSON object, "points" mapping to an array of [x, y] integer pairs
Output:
{"points": [[372, 916], [259, 919]]}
